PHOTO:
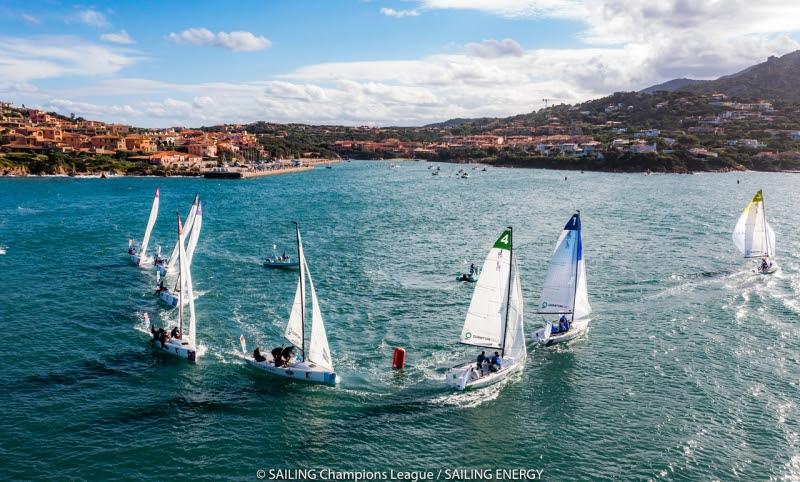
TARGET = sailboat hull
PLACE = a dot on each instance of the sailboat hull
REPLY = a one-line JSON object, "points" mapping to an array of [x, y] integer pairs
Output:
{"points": [[282, 264], [576, 329], [169, 298], [468, 377], [177, 348], [141, 261], [299, 371]]}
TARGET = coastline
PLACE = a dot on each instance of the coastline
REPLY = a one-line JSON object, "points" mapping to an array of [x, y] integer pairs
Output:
{"points": [[231, 173]]}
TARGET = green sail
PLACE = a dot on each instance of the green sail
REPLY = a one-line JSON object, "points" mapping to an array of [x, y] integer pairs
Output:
{"points": [[504, 241], [758, 198]]}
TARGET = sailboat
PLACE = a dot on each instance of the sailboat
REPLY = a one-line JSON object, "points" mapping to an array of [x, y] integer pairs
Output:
{"points": [[754, 237], [283, 261], [172, 296], [314, 364], [564, 293], [494, 320], [138, 253], [177, 342], [168, 265]]}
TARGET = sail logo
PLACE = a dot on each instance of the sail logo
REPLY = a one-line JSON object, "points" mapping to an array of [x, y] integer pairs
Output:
{"points": [[467, 335], [544, 304]]}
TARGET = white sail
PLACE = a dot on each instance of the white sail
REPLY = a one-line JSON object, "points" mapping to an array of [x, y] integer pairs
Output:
{"points": [[582, 307], [485, 321], [187, 228], [515, 337], [294, 327], [185, 292], [319, 352], [753, 236], [150, 223], [559, 289], [198, 223]]}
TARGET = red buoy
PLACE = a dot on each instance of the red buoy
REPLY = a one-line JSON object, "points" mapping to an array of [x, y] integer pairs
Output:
{"points": [[399, 360]]}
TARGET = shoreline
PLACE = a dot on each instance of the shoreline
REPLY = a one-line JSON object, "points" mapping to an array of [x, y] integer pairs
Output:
{"points": [[233, 173]]}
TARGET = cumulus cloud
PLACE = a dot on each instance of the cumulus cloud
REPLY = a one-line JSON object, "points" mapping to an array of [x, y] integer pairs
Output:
{"points": [[92, 18], [494, 48], [390, 12], [120, 37], [238, 41]]}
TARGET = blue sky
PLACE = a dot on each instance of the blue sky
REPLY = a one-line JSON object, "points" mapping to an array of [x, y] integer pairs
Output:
{"points": [[401, 62]]}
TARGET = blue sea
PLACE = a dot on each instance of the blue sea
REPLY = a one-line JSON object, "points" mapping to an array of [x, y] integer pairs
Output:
{"points": [[689, 371]]}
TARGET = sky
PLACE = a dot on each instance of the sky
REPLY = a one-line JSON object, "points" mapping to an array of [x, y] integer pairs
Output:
{"points": [[366, 62]]}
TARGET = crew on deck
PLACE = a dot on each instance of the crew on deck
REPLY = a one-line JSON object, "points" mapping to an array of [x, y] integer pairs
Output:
{"points": [[563, 325], [496, 363], [258, 356]]}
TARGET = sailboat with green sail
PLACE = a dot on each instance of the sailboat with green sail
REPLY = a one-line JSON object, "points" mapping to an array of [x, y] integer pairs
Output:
{"points": [[494, 321]]}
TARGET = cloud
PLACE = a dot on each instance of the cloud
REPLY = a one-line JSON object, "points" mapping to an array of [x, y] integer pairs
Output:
{"points": [[30, 19], [512, 8], [390, 12], [238, 41], [120, 37], [25, 59], [494, 48], [621, 45], [92, 18]]}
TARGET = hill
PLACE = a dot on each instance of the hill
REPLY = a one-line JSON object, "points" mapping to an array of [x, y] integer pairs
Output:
{"points": [[776, 79]]}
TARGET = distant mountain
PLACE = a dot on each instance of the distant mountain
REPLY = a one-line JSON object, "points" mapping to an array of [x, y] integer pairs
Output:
{"points": [[776, 79], [672, 85], [459, 121]]}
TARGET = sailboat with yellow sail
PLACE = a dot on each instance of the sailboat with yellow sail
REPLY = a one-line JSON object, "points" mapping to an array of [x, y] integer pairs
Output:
{"points": [[754, 237]]}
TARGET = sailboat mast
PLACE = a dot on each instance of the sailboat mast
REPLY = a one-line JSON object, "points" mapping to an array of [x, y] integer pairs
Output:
{"points": [[180, 277], [764, 216], [578, 245], [508, 287], [302, 295]]}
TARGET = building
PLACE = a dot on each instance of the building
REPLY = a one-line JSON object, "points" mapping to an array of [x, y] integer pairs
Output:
{"points": [[108, 143], [203, 149], [174, 159]]}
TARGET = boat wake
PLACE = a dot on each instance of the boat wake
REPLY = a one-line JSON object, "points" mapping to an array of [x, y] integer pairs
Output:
{"points": [[474, 398]]}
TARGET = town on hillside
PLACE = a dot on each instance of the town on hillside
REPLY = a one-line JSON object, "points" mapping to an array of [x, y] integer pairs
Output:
{"points": [[625, 132]]}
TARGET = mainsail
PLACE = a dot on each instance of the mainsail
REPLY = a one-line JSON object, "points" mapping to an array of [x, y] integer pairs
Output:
{"points": [[198, 222], [187, 228], [753, 236], [185, 278], [485, 324], [294, 327], [150, 223], [564, 290], [319, 352]]}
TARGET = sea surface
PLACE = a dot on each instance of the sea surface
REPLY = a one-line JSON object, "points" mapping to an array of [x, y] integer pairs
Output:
{"points": [[689, 371]]}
